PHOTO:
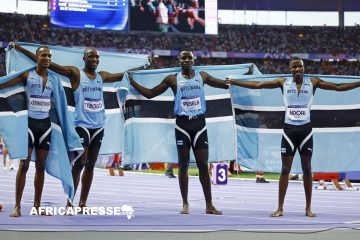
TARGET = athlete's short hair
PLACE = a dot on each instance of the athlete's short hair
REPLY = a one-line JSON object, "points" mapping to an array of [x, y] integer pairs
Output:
{"points": [[39, 48]]}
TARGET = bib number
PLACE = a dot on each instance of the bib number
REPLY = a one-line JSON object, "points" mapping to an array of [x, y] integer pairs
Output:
{"points": [[297, 114], [191, 104], [93, 105], [39, 104]]}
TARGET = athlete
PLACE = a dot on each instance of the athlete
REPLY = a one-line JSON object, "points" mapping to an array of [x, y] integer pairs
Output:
{"points": [[39, 90], [298, 94], [190, 129]]}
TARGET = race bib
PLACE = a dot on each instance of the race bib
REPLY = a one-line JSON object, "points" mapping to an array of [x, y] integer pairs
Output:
{"points": [[39, 104], [297, 114], [191, 104], [93, 105]]}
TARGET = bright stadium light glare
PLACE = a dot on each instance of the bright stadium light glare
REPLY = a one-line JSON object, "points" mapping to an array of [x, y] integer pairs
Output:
{"points": [[286, 18], [352, 18], [24, 7], [8, 6]]}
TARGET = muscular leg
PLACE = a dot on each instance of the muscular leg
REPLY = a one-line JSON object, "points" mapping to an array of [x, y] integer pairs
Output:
{"points": [[20, 184], [41, 156], [201, 156], [88, 174], [183, 160], [283, 184], [76, 171], [78, 167], [308, 182]]}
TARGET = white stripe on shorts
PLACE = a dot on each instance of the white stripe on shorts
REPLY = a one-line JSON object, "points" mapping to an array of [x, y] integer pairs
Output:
{"points": [[306, 139], [289, 141], [198, 135], [183, 131]]}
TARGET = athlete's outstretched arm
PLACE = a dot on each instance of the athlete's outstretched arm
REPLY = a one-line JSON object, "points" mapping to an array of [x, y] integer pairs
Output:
{"points": [[257, 85], [18, 79], [212, 81], [317, 82], [111, 77], [153, 92], [70, 72], [115, 77]]}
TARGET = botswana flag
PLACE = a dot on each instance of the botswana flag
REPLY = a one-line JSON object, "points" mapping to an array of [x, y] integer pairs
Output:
{"points": [[150, 123], [110, 62], [335, 117], [14, 129]]}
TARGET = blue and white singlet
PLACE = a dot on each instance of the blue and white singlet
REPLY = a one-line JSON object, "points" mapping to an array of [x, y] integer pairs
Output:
{"points": [[189, 98], [39, 103], [89, 102], [297, 105]]}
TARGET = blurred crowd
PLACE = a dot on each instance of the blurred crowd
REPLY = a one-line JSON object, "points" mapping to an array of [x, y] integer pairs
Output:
{"points": [[236, 38]]}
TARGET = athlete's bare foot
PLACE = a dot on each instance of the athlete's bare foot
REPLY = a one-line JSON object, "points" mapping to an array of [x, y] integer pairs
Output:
{"points": [[83, 207], [185, 209], [278, 213], [16, 212], [309, 213], [212, 210], [68, 212]]}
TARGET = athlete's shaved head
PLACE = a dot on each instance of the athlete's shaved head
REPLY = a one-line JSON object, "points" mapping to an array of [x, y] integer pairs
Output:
{"points": [[185, 50], [41, 48], [295, 58], [89, 50]]}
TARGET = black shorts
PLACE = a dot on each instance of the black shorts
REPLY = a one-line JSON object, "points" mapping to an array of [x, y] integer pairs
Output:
{"points": [[191, 132], [39, 133], [90, 137], [297, 138]]}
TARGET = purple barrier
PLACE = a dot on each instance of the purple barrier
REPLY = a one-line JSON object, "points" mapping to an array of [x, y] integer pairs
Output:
{"points": [[350, 175]]}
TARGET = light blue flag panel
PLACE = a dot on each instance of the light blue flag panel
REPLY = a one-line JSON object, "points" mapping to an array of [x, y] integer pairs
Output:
{"points": [[259, 118], [150, 123]]}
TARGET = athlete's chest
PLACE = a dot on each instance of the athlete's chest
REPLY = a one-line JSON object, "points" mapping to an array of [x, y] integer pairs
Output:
{"points": [[295, 92], [39, 86], [90, 87]]}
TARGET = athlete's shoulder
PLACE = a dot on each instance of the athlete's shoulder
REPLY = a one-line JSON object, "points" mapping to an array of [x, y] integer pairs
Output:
{"points": [[314, 79], [27, 74], [202, 73], [171, 77]]}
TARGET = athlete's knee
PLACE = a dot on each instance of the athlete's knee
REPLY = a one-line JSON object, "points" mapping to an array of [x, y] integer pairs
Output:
{"points": [[183, 159], [40, 168], [24, 166], [79, 164], [285, 171], [202, 166], [183, 165], [306, 170], [90, 165]]}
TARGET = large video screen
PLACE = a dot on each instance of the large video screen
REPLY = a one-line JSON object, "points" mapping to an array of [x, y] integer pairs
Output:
{"points": [[96, 14], [184, 16]]}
